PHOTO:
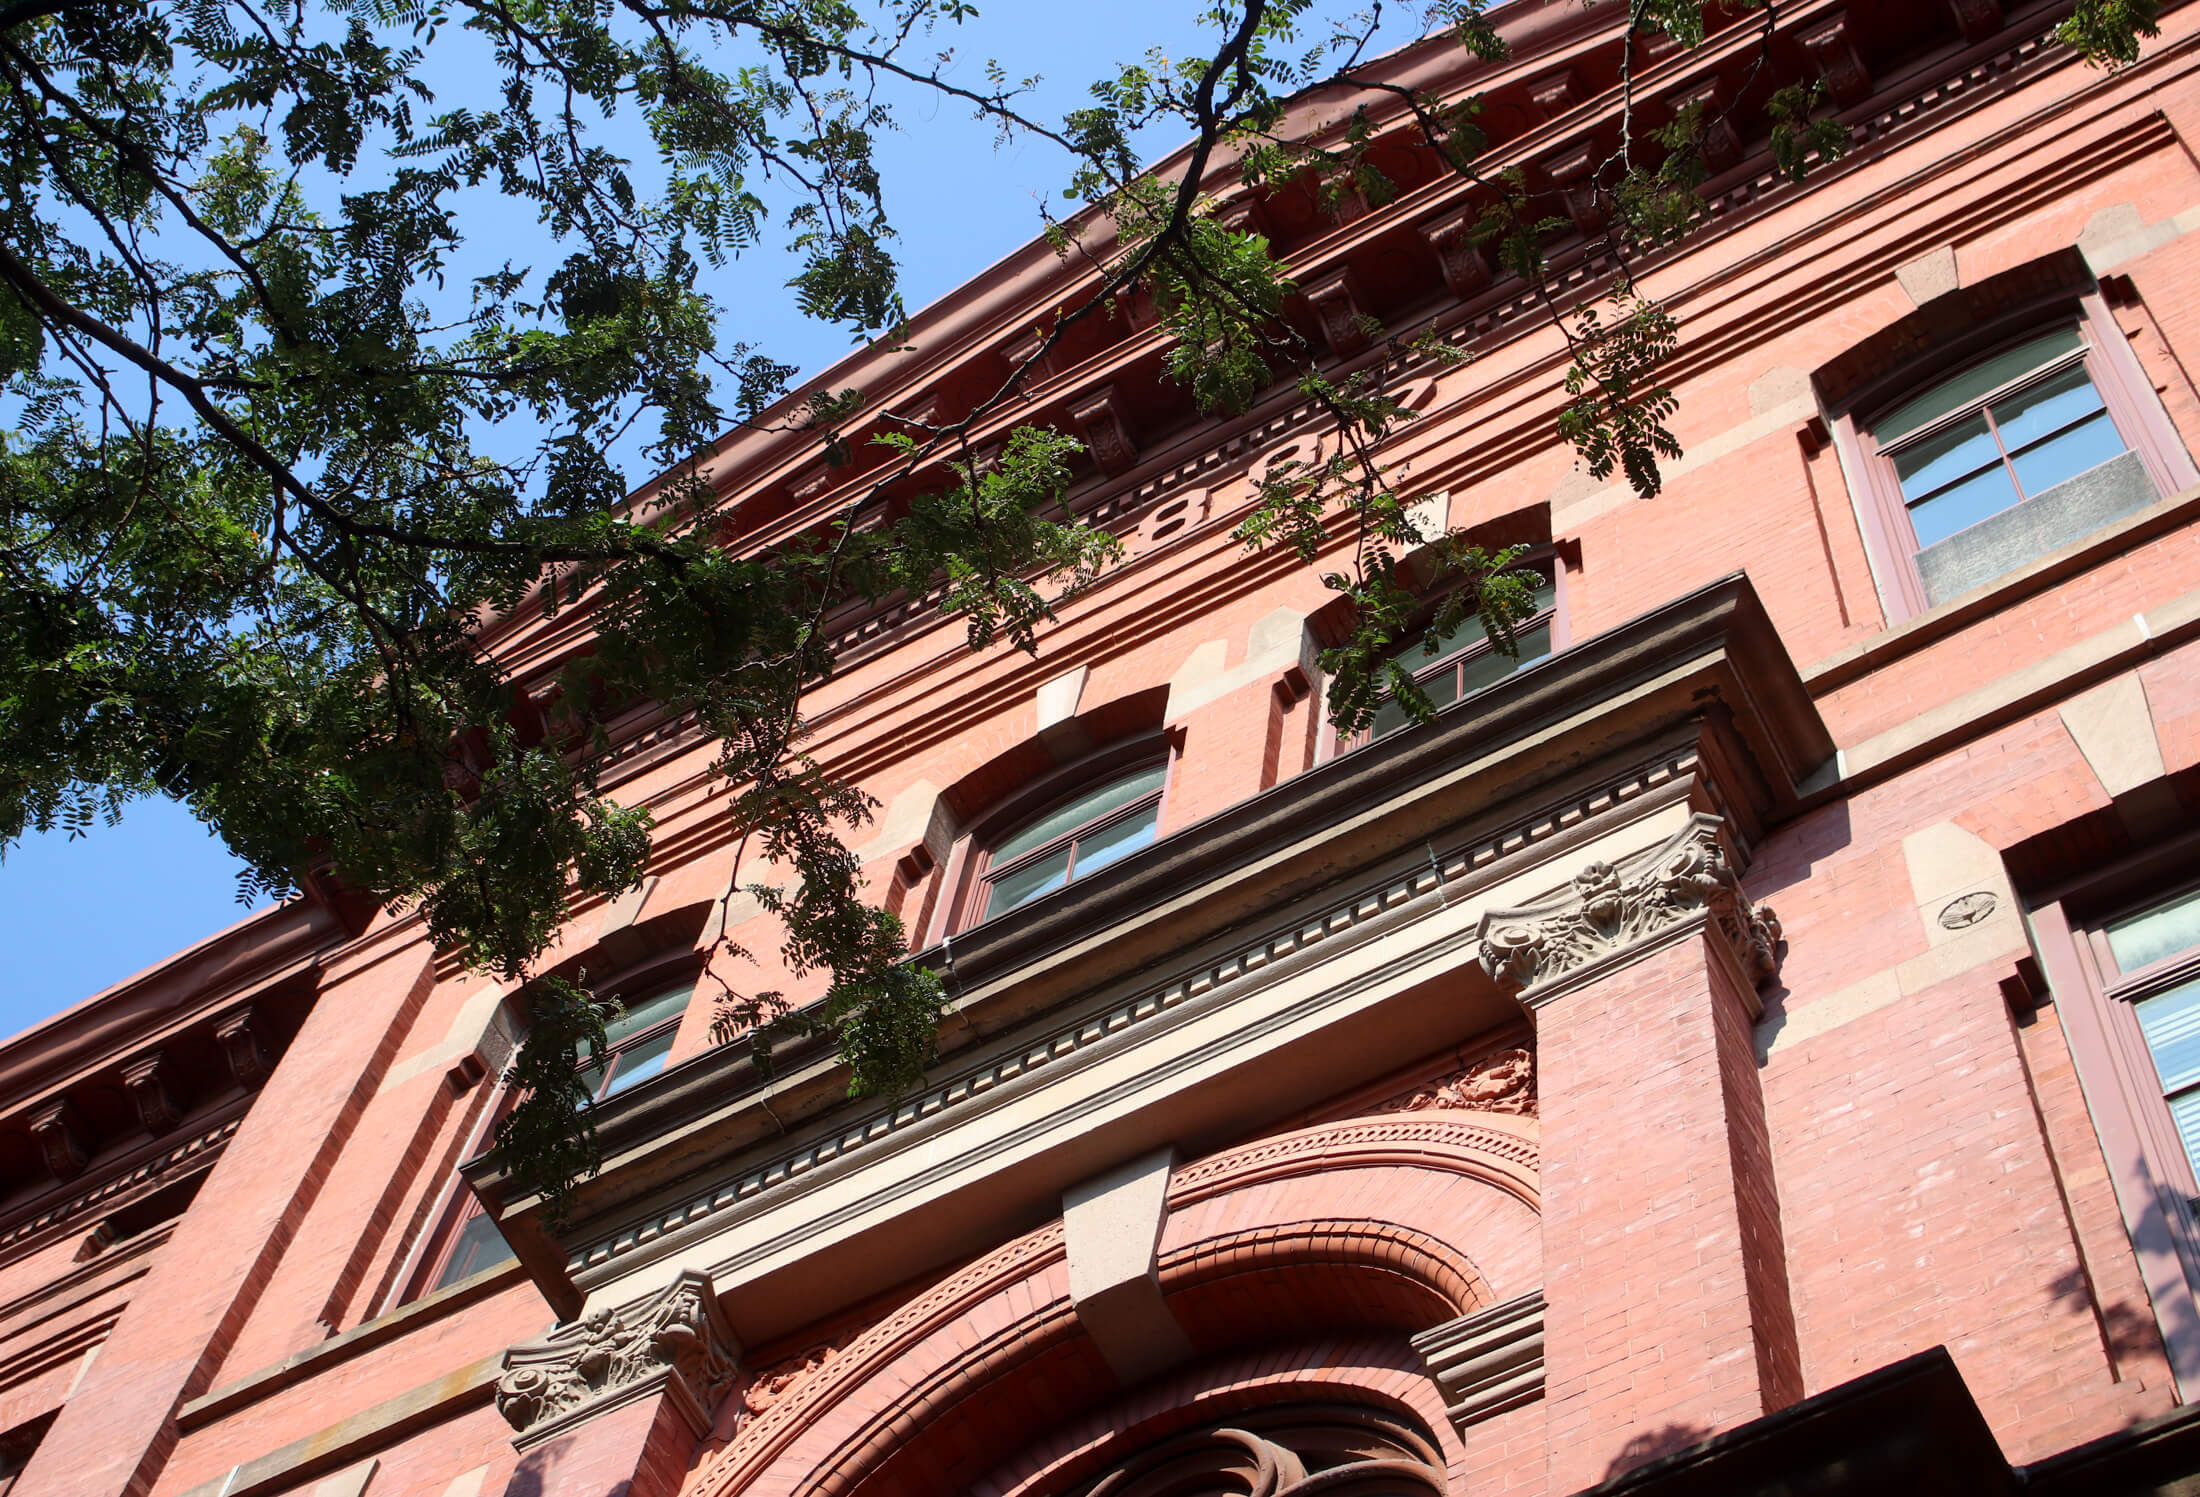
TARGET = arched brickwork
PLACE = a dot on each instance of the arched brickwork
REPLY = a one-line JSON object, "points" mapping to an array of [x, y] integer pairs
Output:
{"points": [[1366, 1230]]}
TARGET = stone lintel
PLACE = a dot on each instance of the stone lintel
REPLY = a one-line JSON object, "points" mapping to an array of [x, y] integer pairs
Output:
{"points": [[1488, 1361]]}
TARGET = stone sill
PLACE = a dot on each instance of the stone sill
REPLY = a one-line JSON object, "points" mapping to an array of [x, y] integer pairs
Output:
{"points": [[296, 1367], [1886, 648]]}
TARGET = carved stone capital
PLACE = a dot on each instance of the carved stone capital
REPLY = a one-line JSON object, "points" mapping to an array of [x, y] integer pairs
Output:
{"points": [[676, 1342], [1607, 912], [146, 1081]]}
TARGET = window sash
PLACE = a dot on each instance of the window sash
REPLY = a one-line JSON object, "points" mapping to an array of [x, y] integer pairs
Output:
{"points": [[994, 875]]}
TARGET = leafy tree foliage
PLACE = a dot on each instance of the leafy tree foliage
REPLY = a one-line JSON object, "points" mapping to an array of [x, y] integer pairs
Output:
{"points": [[284, 457]]}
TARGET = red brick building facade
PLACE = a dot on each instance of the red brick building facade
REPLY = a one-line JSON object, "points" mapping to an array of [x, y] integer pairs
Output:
{"points": [[1747, 1045]]}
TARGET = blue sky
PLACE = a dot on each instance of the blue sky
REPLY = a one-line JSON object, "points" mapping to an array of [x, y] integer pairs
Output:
{"points": [[78, 916]]}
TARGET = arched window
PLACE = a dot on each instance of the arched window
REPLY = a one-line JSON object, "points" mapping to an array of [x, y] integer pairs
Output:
{"points": [[1075, 837], [1464, 660], [2041, 430], [640, 1041]]}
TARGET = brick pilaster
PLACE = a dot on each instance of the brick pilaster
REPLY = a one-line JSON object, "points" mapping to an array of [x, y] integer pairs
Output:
{"points": [[1666, 1279]]}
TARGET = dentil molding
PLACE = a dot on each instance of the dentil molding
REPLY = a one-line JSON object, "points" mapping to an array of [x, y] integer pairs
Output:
{"points": [[1606, 913], [676, 1342]]}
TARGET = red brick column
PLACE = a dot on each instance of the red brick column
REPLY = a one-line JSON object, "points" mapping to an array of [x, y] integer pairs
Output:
{"points": [[117, 1430], [641, 1449], [1669, 1317]]}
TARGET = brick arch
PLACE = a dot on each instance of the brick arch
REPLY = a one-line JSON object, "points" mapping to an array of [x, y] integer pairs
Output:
{"points": [[1403, 1221]]}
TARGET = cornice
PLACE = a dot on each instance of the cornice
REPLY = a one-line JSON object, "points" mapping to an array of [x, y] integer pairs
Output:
{"points": [[1701, 676]]}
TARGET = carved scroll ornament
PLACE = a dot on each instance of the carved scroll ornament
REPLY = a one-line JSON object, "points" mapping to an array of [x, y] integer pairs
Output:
{"points": [[1606, 911], [677, 1341]]}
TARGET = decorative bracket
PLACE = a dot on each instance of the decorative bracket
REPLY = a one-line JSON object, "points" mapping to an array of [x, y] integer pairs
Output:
{"points": [[1465, 271], [60, 1134], [676, 1342], [1979, 19], [1336, 301], [1574, 175], [1543, 949], [1834, 50], [146, 1080], [1556, 94], [1715, 136], [240, 1042], [1100, 421]]}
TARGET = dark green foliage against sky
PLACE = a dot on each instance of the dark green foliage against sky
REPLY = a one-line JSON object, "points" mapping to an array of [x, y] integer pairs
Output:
{"points": [[278, 435]]}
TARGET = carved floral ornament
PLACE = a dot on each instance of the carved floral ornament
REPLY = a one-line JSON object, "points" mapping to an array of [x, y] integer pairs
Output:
{"points": [[1503, 1082], [676, 1341], [1608, 910]]}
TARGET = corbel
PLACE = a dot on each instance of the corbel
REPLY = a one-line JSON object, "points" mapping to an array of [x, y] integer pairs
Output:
{"points": [[1101, 422], [59, 1129], [145, 1079], [1715, 137], [1336, 301], [1245, 215], [1573, 175], [1979, 19], [1555, 94], [1833, 49], [1465, 271], [239, 1037], [1022, 352]]}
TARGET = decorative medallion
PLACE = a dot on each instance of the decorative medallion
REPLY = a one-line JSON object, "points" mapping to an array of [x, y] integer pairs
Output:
{"points": [[1606, 911], [1966, 910], [677, 1341]]}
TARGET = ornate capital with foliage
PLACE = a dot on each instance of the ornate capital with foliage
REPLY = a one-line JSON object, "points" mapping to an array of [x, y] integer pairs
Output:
{"points": [[677, 1343], [1606, 911]]}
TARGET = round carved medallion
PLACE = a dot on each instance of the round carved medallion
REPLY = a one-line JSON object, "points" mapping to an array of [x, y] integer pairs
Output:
{"points": [[1966, 910]]}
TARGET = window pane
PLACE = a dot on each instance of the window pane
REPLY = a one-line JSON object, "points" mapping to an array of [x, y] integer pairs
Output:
{"points": [[1389, 718], [479, 1246], [2087, 445], [1027, 884], [2171, 1022], [1968, 386], [1940, 460], [1081, 810], [1123, 838], [1489, 669], [2185, 1113], [1963, 504], [2046, 407], [2145, 938], [638, 1062], [652, 1010]]}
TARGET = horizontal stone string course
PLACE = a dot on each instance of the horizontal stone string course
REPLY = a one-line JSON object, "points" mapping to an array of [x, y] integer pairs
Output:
{"points": [[1421, 884]]}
